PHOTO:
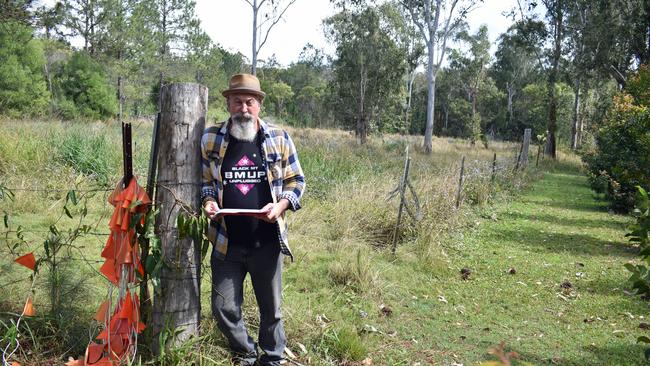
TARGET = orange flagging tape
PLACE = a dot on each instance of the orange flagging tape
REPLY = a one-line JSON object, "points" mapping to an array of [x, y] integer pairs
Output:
{"points": [[29, 310], [117, 341], [27, 260]]}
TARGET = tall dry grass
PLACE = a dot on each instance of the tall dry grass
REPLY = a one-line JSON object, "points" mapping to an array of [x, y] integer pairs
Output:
{"points": [[341, 238]]}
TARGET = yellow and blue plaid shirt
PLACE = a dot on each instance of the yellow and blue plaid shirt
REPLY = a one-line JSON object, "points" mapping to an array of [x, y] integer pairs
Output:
{"points": [[282, 170]]}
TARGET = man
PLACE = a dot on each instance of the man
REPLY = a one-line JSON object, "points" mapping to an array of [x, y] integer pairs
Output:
{"points": [[249, 164]]}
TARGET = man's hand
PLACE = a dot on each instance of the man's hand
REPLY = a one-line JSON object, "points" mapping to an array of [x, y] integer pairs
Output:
{"points": [[211, 208], [274, 210]]}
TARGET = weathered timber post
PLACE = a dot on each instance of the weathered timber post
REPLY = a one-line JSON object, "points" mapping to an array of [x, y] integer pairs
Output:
{"points": [[177, 308], [402, 198], [523, 156], [494, 168], [460, 182]]}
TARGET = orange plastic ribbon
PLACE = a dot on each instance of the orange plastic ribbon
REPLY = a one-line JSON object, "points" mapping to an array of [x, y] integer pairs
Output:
{"points": [[121, 254], [29, 310], [27, 260]]}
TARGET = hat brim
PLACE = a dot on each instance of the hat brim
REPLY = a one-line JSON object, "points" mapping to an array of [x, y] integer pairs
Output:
{"points": [[228, 92]]}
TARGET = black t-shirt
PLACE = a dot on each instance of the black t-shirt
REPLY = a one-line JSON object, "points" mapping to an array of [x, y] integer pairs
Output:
{"points": [[245, 185]]}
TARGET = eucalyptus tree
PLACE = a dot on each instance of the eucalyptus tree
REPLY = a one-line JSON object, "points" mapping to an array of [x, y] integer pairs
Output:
{"points": [[472, 67], [516, 64], [556, 22], [309, 78], [264, 19], [580, 23], [437, 20], [368, 68]]}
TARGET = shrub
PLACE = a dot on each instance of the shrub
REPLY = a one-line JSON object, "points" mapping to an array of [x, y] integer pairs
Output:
{"points": [[621, 158], [640, 278]]}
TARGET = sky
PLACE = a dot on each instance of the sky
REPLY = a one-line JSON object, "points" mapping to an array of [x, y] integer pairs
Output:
{"points": [[229, 23]]}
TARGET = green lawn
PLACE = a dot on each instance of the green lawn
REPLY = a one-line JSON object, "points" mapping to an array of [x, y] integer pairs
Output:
{"points": [[555, 233]]}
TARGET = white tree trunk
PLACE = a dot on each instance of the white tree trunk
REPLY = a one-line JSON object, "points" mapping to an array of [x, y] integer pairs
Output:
{"points": [[576, 115], [431, 96], [254, 55]]}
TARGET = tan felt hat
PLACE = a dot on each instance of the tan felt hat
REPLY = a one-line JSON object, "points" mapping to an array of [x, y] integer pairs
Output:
{"points": [[244, 84]]}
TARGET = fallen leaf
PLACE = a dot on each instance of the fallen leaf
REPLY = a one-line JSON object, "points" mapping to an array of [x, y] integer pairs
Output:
{"points": [[289, 353], [367, 328], [302, 347]]}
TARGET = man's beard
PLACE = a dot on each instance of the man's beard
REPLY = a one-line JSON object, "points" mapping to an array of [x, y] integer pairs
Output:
{"points": [[243, 126]]}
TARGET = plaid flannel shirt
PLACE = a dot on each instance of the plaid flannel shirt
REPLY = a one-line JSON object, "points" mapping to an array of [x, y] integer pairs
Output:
{"points": [[282, 170]]}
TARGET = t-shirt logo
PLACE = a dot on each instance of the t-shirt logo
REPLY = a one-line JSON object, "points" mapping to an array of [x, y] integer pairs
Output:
{"points": [[245, 161], [245, 174]]}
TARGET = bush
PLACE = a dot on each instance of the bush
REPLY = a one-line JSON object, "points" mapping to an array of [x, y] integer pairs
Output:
{"points": [[640, 278], [621, 158]]}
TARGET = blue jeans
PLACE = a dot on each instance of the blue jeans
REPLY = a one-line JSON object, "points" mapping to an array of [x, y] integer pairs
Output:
{"points": [[265, 268]]}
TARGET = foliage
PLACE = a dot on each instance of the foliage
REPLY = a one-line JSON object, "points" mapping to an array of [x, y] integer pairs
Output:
{"points": [[640, 278], [622, 153], [83, 81], [195, 227], [279, 93], [23, 90]]}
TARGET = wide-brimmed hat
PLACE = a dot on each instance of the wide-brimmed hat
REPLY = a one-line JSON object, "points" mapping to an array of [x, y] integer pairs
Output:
{"points": [[244, 84]]}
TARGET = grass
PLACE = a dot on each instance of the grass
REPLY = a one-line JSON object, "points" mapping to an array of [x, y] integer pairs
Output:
{"points": [[346, 298]]}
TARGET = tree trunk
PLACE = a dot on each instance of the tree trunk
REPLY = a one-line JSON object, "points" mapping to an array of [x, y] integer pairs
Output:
{"points": [[254, 55], [446, 110], [552, 79], [576, 114], [177, 309], [431, 97], [362, 131], [523, 158], [511, 94]]}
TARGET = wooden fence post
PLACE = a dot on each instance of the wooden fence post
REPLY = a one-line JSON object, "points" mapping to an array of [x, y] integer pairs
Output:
{"points": [[402, 197], [494, 168], [177, 309], [460, 182], [523, 157]]}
